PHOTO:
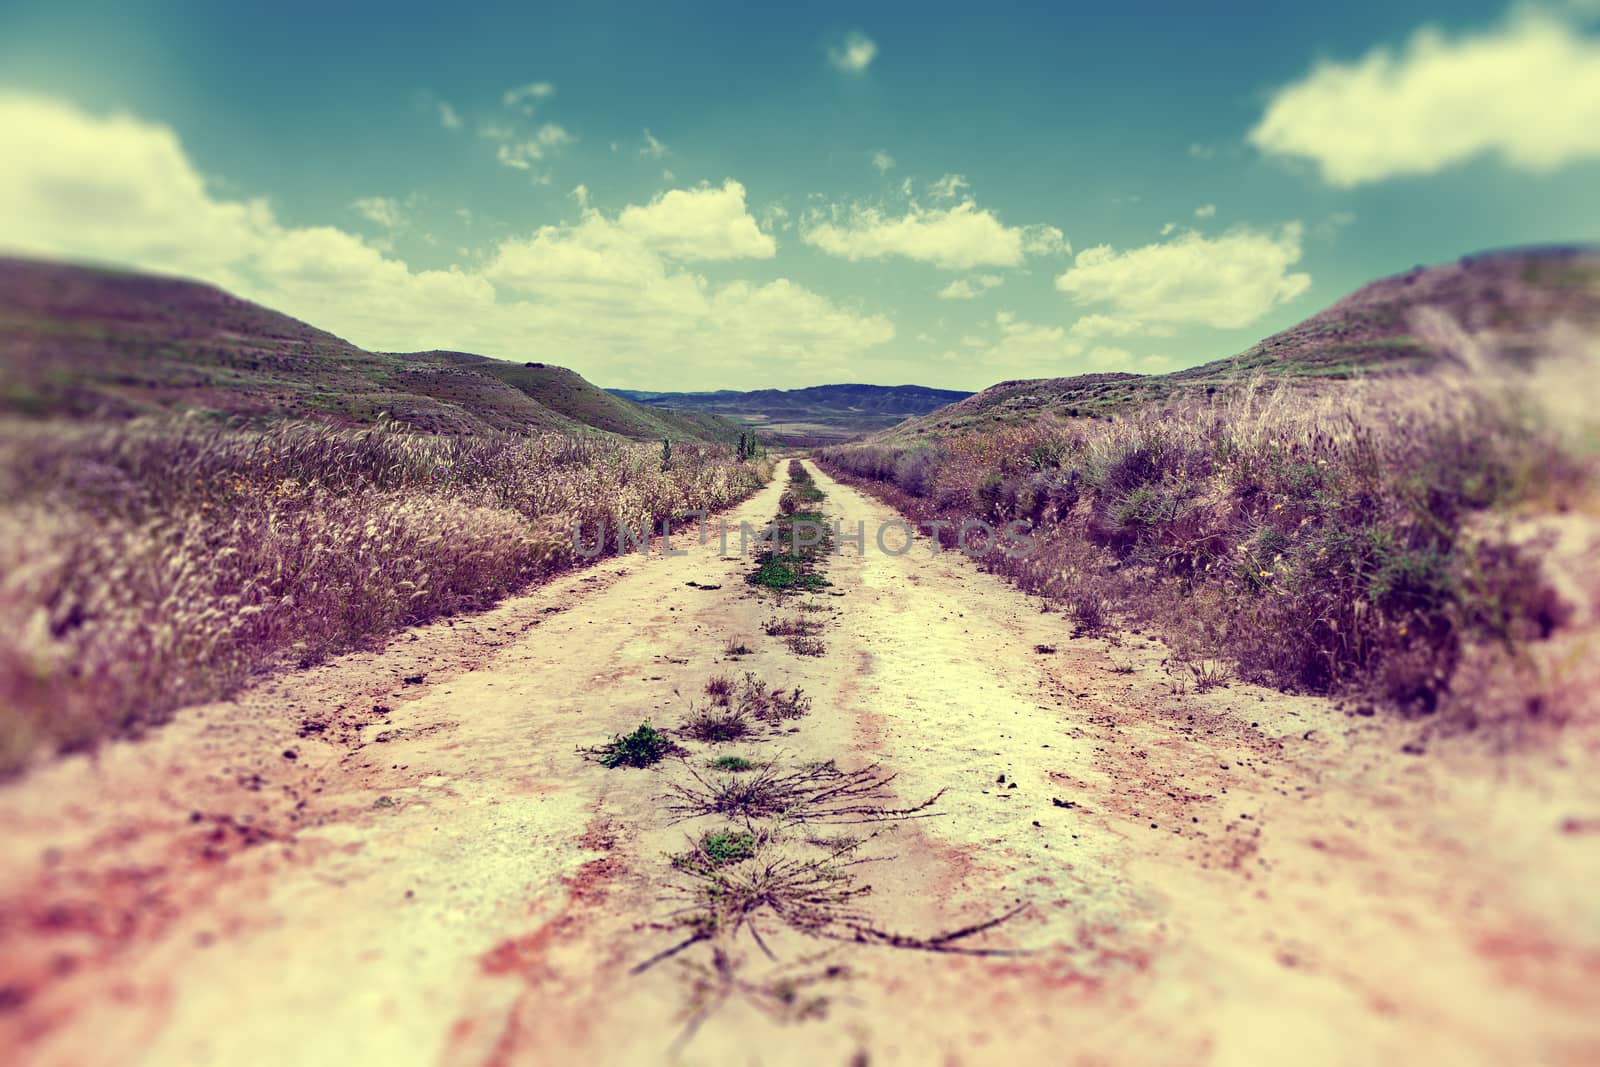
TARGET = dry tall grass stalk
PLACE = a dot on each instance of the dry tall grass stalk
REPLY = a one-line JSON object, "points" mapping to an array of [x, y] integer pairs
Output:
{"points": [[148, 566]]}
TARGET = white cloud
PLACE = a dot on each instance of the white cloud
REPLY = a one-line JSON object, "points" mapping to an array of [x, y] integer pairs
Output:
{"points": [[608, 292], [1167, 228], [448, 118], [521, 155], [114, 188], [382, 210], [969, 287], [1091, 326], [653, 149], [1205, 211], [949, 187], [775, 216], [853, 54], [1023, 349], [1527, 91], [699, 224], [883, 161], [955, 238], [527, 98], [1328, 229], [1225, 282], [1201, 151]]}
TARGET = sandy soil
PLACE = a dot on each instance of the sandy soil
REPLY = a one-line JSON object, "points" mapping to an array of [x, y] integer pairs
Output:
{"points": [[404, 857]]}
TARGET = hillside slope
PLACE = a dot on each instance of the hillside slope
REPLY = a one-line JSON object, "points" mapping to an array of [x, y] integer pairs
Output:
{"points": [[1512, 295], [77, 342]]}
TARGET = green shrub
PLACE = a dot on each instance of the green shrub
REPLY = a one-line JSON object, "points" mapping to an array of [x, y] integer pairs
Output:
{"points": [[642, 748]]}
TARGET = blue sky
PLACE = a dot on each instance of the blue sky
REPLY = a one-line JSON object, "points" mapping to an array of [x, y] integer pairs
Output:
{"points": [[704, 196]]}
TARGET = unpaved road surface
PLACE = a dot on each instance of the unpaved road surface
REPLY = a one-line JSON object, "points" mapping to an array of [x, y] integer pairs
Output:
{"points": [[403, 857]]}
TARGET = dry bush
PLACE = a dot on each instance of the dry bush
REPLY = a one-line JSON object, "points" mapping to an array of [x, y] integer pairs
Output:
{"points": [[756, 699], [788, 626], [716, 725], [806, 646]]}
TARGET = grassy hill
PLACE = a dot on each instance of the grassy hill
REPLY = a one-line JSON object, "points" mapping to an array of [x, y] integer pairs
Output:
{"points": [[1513, 294], [78, 342], [820, 414]]}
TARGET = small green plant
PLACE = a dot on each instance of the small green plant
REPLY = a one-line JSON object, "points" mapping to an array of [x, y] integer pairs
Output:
{"points": [[716, 849], [736, 648], [642, 748], [780, 572], [734, 764]]}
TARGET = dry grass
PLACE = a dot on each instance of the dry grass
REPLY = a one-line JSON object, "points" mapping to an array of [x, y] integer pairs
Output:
{"points": [[148, 566], [789, 626], [1317, 537], [818, 792], [758, 700], [801, 645], [714, 725]]}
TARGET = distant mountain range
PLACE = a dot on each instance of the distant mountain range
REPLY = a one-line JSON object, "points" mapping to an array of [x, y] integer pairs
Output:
{"points": [[818, 414]]}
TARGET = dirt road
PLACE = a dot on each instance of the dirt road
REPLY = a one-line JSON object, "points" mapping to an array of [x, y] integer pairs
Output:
{"points": [[404, 857]]}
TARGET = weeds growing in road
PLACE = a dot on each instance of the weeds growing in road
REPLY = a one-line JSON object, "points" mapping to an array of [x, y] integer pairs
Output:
{"points": [[800, 540], [818, 792], [716, 725], [642, 748], [756, 699], [784, 572], [719, 687], [788, 626], [801, 645], [716, 849]]}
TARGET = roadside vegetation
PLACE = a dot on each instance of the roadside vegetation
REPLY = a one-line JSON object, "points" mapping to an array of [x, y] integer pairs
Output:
{"points": [[1316, 536], [149, 565]]}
